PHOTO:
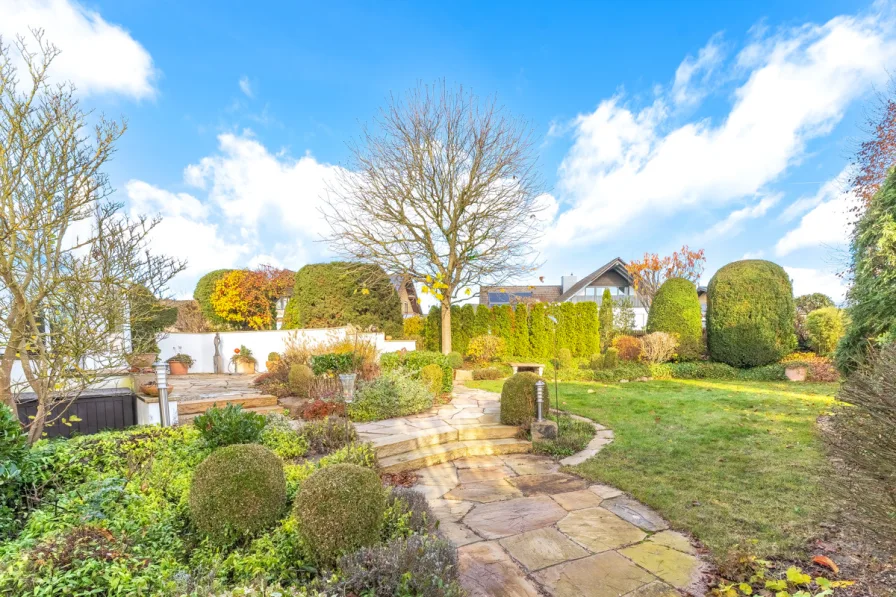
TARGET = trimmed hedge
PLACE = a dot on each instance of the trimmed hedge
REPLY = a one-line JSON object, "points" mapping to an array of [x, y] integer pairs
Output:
{"points": [[676, 310], [825, 327], [328, 295], [750, 314], [237, 491], [415, 361], [518, 399], [340, 509]]}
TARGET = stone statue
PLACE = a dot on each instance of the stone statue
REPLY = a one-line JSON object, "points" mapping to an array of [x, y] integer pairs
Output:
{"points": [[219, 359]]}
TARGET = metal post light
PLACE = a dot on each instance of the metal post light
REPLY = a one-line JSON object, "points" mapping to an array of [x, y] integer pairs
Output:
{"points": [[161, 369], [347, 380], [556, 367], [539, 396]]}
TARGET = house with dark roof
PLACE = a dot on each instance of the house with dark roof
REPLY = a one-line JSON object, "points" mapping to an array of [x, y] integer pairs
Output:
{"points": [[612, 276], [407, 294]]}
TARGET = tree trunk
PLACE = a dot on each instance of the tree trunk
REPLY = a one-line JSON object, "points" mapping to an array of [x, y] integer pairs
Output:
{"points": [[446, 327], [6, 394], [36, 430]]}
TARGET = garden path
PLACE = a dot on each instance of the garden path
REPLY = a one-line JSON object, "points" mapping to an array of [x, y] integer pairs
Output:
{"points": [[525, 528]]}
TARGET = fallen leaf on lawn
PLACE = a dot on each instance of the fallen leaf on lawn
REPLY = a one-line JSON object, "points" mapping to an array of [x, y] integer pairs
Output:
{"points": [[826, 562]]}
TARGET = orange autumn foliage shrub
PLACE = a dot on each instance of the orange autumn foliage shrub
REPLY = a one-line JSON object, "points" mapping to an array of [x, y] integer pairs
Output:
{"points": [[629, 347]]}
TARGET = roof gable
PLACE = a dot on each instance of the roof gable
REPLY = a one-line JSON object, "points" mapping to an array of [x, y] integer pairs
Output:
{"points": [[617, 265]]}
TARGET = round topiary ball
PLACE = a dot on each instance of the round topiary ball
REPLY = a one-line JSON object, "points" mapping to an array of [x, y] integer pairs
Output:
{"points": [[455, 360], [750, 314], [237, 491], [676, 310], [340, 509], [518, 399]]}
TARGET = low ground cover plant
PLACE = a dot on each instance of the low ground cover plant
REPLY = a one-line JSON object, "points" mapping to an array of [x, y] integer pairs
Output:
{"points": [[572, 437], [161, 511], [395, 393]]}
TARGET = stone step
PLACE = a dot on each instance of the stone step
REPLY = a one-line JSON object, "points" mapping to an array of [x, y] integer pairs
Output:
{"points": [[262, 410], [405, 442], [194, 407], [437, 454]]}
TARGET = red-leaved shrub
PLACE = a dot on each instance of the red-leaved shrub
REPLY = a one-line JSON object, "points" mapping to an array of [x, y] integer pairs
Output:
{"points": [[320, 409], [629, 347]]}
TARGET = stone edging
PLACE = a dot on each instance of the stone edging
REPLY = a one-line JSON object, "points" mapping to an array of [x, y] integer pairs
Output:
{"points": [[602, 437]]}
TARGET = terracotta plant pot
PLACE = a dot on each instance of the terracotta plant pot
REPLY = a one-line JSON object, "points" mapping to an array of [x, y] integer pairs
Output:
{"points": [[151, 389], [245, 368], [177, 368]]}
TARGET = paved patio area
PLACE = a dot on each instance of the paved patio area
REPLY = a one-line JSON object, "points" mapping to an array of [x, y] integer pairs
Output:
{"points": [[525, 528], [201, 386]]}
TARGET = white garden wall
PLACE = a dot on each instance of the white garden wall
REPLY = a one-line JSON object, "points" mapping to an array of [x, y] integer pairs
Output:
{"points": [[202, 346]]}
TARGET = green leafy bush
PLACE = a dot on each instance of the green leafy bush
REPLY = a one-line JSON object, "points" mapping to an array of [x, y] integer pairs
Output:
{"points": [[361, 454], [407, 513], [750, 314], [394, 394], [596, 361], [431, 377], [625, 370], [709, 370], [229, 425], [328, 295], [486, 349], [455, 360], [611, 359], [805, 304], [322, 364], [676, 310], [487, 373], [824, 328], [417, 565], [237, 491], [13, 449], [564, 355], [326, 435], [285, 443], [518, 399], [340, 509], [414, 361], [572, 437]]}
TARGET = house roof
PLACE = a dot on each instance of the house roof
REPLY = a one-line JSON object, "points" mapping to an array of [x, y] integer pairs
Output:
{"points": [[617, 265]]}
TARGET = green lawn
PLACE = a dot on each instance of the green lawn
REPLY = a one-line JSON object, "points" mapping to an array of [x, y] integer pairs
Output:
{"points": [[738, 464]]}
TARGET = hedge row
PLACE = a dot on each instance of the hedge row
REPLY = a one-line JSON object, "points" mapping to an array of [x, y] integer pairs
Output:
{"points": [[526, 329]]}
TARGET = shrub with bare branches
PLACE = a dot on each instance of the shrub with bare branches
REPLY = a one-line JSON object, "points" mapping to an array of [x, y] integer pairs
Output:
{"points": [[658, 347]]}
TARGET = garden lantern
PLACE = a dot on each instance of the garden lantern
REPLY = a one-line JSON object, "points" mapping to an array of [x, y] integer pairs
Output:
{"points": [[539, 396], [348, 386], [161, 369]]}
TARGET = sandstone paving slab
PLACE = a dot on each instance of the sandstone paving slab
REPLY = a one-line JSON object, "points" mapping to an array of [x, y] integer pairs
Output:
{"points": [[442, 475], [485, 492], [636, 513], [431, 492], [452, 510], [502, 519], [654, 589], [605, 491], [531, 464], [479, 462], [459, 534], [676, 568], [579, 457], [577, 500], [489, 419], [468, 413], [542, 548], [674, 540], [599, 530], [485, 570], [602, 575], [478, 475], [548, 483]]}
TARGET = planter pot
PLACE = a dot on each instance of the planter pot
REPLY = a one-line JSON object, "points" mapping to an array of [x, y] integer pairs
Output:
{"points": [[142, 360], [151, 389], [796, 372], [177, 368], [245, 368]]}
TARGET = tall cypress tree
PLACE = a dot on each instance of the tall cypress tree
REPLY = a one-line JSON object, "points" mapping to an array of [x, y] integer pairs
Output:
{"points": [[483, 321], [502, 325], [521, 330], [432, 329], [540, 331], [605, 316], [590, 326]]}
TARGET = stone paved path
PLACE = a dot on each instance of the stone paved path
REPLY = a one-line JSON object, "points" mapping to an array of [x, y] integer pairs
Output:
{"points": [[524, 528]]}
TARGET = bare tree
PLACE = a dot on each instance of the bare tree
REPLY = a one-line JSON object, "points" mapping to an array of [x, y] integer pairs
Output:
{"points": [[442, 189], [71, 263]]}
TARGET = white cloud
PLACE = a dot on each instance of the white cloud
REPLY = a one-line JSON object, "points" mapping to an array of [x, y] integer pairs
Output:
{"points": [[828, 191], [248, 183], [828, 224], [246, 86], [97, 56], [693, 74], [737, 217], [628, 164], [754, 254], [807, 281]]}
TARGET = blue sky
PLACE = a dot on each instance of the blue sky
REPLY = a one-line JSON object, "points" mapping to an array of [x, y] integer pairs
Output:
{"points": [[723, 125]]}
